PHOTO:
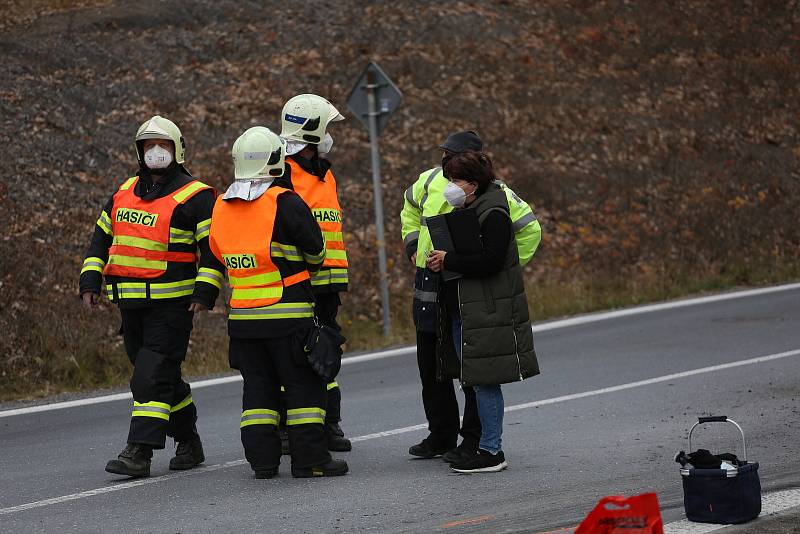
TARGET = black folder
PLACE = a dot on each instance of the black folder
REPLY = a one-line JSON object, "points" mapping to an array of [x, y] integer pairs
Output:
{"points": [[457, 231]]}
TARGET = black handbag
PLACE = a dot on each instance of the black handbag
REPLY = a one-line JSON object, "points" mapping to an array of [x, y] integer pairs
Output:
{"points": [[323, 348]]}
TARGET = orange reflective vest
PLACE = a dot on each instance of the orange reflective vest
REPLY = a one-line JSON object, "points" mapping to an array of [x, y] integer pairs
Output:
{"points": [[321, 198], [141, 231], [241, 237]]}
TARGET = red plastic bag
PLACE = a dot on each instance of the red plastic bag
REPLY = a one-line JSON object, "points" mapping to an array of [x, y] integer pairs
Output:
{"points": [[616, 514]]}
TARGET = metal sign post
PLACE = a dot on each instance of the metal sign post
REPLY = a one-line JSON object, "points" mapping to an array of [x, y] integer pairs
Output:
{"points": [[373, 87]]}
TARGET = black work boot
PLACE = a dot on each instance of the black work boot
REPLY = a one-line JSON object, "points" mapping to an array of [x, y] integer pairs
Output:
{"points": [[334, 435], [133, 461], [334, 468], [266, 473], [189, 453]]}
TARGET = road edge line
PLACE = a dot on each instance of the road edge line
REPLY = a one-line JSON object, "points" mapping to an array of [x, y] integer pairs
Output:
{"points": [[410, 349], [403, 430]]}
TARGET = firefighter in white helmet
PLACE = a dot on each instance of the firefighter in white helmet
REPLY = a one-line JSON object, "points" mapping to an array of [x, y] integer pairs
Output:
{"points": [[269, 241], [304, 123], [151, 246]]}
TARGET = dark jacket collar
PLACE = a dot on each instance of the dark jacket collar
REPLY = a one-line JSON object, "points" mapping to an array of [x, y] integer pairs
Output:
{"points": [[176, 177], [317, 166]]}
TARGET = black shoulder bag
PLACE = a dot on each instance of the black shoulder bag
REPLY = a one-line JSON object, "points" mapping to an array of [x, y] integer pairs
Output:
{"points": [[323, 348]]}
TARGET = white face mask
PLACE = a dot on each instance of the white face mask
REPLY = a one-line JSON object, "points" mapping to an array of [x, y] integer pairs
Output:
{"points": [[326, 145], [454, 195], [157, 158], [293, 147]]}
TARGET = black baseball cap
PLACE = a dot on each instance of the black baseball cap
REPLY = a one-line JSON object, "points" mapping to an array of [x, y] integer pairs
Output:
{"points": [[466, 141]]}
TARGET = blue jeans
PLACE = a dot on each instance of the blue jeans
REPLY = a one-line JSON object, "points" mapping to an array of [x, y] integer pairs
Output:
{"points": [[489, 400]]}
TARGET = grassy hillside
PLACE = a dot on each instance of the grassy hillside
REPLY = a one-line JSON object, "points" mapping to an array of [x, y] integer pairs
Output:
{"points": [[658, 142]]}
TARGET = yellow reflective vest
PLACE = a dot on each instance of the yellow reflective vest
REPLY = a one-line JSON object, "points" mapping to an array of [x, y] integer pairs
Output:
{"points": [[425, 198]]}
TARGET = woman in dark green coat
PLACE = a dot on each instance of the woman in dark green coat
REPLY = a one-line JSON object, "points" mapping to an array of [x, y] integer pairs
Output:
{"points": [[485, 337]]}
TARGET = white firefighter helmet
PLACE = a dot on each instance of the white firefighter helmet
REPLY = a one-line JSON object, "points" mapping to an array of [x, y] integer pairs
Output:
{"points": [[305, 118], [160, 128], [258, 154]]}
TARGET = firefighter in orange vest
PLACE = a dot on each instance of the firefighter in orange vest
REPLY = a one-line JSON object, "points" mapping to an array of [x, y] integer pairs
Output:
{"points": [[269, 240], [146, 245], [304, 121]]}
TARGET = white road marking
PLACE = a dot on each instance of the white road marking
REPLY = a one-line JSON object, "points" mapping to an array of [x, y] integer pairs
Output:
{"points": [[393, 432], [411, 349], [404, 430], [771, 503], [117, 487], [656, 380]]}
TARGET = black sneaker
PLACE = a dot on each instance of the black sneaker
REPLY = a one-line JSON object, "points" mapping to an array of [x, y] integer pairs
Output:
{"points": [[483, 462], [133, 461], [424, 449], [460, 454], [334, 435], [266, 473], [189, 453], [334, 468]]}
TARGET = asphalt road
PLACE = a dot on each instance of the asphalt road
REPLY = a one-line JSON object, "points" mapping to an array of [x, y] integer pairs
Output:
{"points": [[595, 430]]}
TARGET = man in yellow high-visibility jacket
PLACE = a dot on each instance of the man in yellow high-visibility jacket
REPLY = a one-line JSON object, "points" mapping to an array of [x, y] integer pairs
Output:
{"points": [[424, 199]]}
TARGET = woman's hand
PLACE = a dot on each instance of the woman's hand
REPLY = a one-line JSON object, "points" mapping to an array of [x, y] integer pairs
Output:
{"points": [[435, 260]]}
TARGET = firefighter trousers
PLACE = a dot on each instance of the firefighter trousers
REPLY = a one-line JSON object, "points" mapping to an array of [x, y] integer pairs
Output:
{"points": [[266, 364], [156, 339], [326, 308], [440, 403]]}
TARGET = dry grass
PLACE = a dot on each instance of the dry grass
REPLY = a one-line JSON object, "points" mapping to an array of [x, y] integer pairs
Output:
{"points": [[662, 155]]}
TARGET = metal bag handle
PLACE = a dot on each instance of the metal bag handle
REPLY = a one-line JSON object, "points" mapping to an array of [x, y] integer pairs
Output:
{"points": [[719, 419]]}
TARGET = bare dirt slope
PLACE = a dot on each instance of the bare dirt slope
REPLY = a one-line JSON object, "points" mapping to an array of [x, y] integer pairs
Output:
{"points": [[654, 138]]}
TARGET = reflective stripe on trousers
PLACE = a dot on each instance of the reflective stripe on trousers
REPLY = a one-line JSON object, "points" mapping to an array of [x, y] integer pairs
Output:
{"points": [[302, 416], [181, 405], [158, 410], [259, 416]]}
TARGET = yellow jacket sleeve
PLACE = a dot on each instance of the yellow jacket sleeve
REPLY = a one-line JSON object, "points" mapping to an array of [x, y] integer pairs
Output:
{"points": [[410, 217], [527, 230]]}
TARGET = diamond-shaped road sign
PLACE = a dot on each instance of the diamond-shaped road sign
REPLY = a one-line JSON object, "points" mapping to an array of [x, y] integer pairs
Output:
{"points": [[387, 96]]}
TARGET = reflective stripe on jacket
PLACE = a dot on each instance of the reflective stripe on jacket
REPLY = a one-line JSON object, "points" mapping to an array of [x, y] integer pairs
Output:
{"points": [[142, 233], [321, 197], [241, 237]]}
